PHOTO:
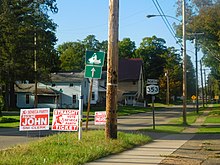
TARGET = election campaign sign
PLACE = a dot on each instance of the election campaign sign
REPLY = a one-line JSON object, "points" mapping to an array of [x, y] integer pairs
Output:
{"points": [[100, 118], [65, 120], [34, 119]]}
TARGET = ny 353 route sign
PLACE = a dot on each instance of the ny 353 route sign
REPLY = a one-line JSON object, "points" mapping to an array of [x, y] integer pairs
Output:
{"points": [[152, 89]]}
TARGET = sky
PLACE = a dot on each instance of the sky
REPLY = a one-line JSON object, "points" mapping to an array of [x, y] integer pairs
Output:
{"points": [[77, 19]]}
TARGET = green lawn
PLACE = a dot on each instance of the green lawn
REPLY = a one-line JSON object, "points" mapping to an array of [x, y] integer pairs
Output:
{"points": [[65, 148], [176, 125], [122, 111], [212, 121]]}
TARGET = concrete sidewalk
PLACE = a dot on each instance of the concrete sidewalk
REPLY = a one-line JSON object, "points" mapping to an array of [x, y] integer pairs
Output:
{"points": [[151, 153], [156, 151]]}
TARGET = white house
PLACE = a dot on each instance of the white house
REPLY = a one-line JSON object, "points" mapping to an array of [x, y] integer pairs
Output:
{"points": [[62, 91]]}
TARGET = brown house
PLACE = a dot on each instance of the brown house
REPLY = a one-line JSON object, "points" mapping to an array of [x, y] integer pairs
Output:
{"points": [[130, 81]]}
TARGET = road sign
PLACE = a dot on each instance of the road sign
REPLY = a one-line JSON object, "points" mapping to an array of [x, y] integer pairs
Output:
{"points": [[152, 89], [193, 97], [95, 58], [65, 120], [93, 71], [34, 119], [152, 81]]}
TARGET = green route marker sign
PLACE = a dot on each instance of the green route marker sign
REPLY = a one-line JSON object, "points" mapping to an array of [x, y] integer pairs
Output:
{"points": [[93, 64], [95, 58], [93, 71]]}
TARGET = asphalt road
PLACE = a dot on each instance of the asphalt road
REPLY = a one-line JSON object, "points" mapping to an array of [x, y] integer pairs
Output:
{"points": [[11, 136]]}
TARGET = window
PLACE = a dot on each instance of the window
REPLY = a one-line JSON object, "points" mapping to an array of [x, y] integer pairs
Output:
{"points": [[27, 99], [93, 95], [71, 85], [134, 82], [74, 99], [53, 85], [46, 99]]}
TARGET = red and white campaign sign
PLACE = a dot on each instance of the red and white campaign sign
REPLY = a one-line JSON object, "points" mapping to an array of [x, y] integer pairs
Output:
{"points": [[34, 119], [65, 120], [100, 118]]}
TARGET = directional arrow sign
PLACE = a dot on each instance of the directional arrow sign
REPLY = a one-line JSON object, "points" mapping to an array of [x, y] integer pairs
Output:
{"points": [[93, 71]]}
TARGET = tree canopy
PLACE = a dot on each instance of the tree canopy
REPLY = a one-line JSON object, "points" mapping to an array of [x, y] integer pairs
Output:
{"points": [[21, 22]]}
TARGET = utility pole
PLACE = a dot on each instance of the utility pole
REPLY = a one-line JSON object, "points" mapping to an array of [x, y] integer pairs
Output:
{"points": [[196, 56], [197, 86], [206, 99], [184, 62], [168, 88], [202, 84], [112, 71], [35, 70]]}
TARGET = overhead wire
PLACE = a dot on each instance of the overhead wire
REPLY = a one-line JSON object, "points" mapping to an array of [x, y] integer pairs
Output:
{"points": [[165, 20]]}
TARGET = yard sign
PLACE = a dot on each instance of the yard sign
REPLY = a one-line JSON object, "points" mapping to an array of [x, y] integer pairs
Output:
{"points": [[100, 118], [65, 120], [34, 119]]}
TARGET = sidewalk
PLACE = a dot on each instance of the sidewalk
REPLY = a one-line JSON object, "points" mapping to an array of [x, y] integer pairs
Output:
{"points": [[154, 152]]}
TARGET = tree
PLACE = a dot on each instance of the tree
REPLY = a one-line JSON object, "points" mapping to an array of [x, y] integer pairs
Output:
{"points": [[72, 58], [21, 21], [72, 54], [151, 50], [126, 48]]}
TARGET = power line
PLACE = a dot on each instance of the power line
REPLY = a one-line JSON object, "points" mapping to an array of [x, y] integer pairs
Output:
{"points": [[169, 27]]}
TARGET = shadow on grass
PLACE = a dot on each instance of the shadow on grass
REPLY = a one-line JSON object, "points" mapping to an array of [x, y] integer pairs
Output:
{"points": [[167, 128]]}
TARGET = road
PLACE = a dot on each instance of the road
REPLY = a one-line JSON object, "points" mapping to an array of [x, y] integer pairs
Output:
{"points": [[11, 136]]}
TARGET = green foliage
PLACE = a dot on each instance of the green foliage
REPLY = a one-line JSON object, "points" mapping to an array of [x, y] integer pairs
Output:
{"points": [[65, 148], [126, 48]]}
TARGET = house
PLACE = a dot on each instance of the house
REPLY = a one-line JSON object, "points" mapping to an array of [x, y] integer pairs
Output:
{"points": [[130, 81], [64, 88], [62, 91]]}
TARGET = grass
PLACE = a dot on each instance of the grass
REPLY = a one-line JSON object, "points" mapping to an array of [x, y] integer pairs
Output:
{"points": [[212, 122], [175, 125], [122, 111], [65, 148], [9, 121]]}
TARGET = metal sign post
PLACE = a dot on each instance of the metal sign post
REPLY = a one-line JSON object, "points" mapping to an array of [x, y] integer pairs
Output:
{"points": [[80, 117], [153, 98], [152, 89]]}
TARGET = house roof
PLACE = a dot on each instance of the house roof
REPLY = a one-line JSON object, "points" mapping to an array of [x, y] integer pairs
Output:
{"points": [[129, 69], [67, 77], [30, 88]]}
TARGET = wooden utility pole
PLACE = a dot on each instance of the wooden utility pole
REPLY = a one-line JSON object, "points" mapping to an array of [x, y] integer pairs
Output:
{"points": [[184, 62], [35, 70], [112, 71]]}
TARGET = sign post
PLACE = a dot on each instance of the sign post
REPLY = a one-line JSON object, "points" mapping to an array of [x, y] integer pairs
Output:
{"points": [[152, 89], [80, 117], [94, 62]]}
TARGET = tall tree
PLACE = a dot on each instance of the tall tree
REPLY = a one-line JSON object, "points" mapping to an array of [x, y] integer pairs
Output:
{"points": [[151, 50], [20, 21], [126, 48], [72, 58]]}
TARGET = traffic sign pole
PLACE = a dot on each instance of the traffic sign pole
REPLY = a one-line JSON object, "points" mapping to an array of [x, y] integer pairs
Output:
{"points": [[89, 100], [153, 98]]}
